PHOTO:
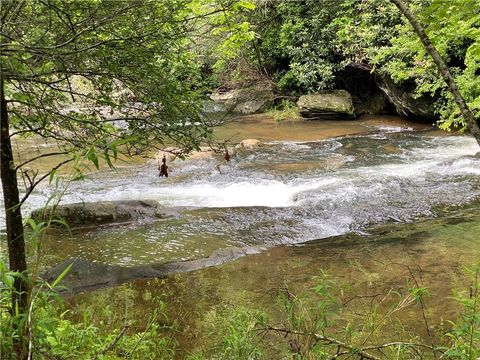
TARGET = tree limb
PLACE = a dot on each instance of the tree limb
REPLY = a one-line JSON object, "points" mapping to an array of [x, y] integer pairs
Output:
{"points": [[39, 157], [442, 68], [29, 191]]}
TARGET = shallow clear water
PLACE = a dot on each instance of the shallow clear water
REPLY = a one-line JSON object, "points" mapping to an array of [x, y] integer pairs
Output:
{"points": [[283, 192], [436, 250], [398, 197]]}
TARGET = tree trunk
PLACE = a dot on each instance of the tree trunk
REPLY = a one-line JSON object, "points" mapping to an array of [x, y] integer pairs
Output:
{"points": [[13, 215], [442, 68]]}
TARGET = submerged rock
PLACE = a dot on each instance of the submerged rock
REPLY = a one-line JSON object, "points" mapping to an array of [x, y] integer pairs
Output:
{"points": [[88, 275], [327, 104], [248, 100], [100, 212]]}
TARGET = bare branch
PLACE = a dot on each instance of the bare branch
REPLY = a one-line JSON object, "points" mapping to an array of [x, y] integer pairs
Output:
{"points": [[29, 191], [39, 157], [114, 342], [328, 341]]}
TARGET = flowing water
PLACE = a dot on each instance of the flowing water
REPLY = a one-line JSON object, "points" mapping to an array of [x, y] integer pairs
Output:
{"points": [[372, 198], [283, 192]]}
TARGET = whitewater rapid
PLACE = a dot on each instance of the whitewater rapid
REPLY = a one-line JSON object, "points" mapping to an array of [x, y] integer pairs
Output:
{"points": [[283, 192]]}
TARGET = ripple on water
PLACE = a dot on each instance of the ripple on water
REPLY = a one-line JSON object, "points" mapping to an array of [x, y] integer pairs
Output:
{"points": [[280, 193]]}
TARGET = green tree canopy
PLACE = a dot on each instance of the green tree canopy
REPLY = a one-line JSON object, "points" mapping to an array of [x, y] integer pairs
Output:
{"points": [[100, 76], [81, 66], [296, 42], [305, 45], [374, 32]]}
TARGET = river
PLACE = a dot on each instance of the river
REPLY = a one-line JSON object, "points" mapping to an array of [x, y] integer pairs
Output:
{"points": [[363, 199], [283, 192]]}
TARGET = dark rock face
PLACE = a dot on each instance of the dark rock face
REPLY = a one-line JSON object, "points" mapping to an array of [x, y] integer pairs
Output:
{"points": [[375, 93], [249, 100], [401, 96], [367, 97], [101, 212], [327, 104], [376, 104]]}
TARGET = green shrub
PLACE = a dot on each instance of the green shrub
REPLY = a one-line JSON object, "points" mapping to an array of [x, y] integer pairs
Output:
{"points": [[287, 110], [234, 334], [51, 334], [464, 337]]}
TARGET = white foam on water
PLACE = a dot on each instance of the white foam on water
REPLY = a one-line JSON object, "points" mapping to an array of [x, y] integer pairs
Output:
{"points": [[289, 144], [436, 158], [393, 129], [265, 193]]}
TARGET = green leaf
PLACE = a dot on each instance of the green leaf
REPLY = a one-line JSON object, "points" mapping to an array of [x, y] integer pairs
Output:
{"points": [[107, 159], [61, 276], [51, 176], [92, 156]]}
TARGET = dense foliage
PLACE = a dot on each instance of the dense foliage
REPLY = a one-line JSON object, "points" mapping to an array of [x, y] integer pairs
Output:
{"points": [[305, 46], [393, 49], [82, 66], [297, 42], [53, 334]]}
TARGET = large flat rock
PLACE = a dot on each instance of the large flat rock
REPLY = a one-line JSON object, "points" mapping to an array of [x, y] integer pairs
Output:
{"points": [[86, 275], [327, 104], [248, 100], [101, 212]]}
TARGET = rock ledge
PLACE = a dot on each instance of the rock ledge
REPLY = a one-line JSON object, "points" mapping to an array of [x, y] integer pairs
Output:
{"points": [[328, 105]]}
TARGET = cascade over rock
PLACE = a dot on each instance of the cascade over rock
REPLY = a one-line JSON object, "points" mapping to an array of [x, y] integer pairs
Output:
{"points": [[327, 104]]}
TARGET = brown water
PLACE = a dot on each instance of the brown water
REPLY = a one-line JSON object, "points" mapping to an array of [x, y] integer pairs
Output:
{"points": [[264, 128]]}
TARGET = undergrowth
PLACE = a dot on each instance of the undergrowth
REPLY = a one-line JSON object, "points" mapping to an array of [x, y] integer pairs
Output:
{"points": [[285, 111], [310, 325]]}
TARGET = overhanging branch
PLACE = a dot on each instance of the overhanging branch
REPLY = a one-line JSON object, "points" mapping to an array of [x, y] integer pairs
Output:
{"points": [[32, 187]]}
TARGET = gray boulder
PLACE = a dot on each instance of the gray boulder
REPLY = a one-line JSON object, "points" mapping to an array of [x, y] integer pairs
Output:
{"points": [[327, 104], [249, 100], [86, 214]]}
